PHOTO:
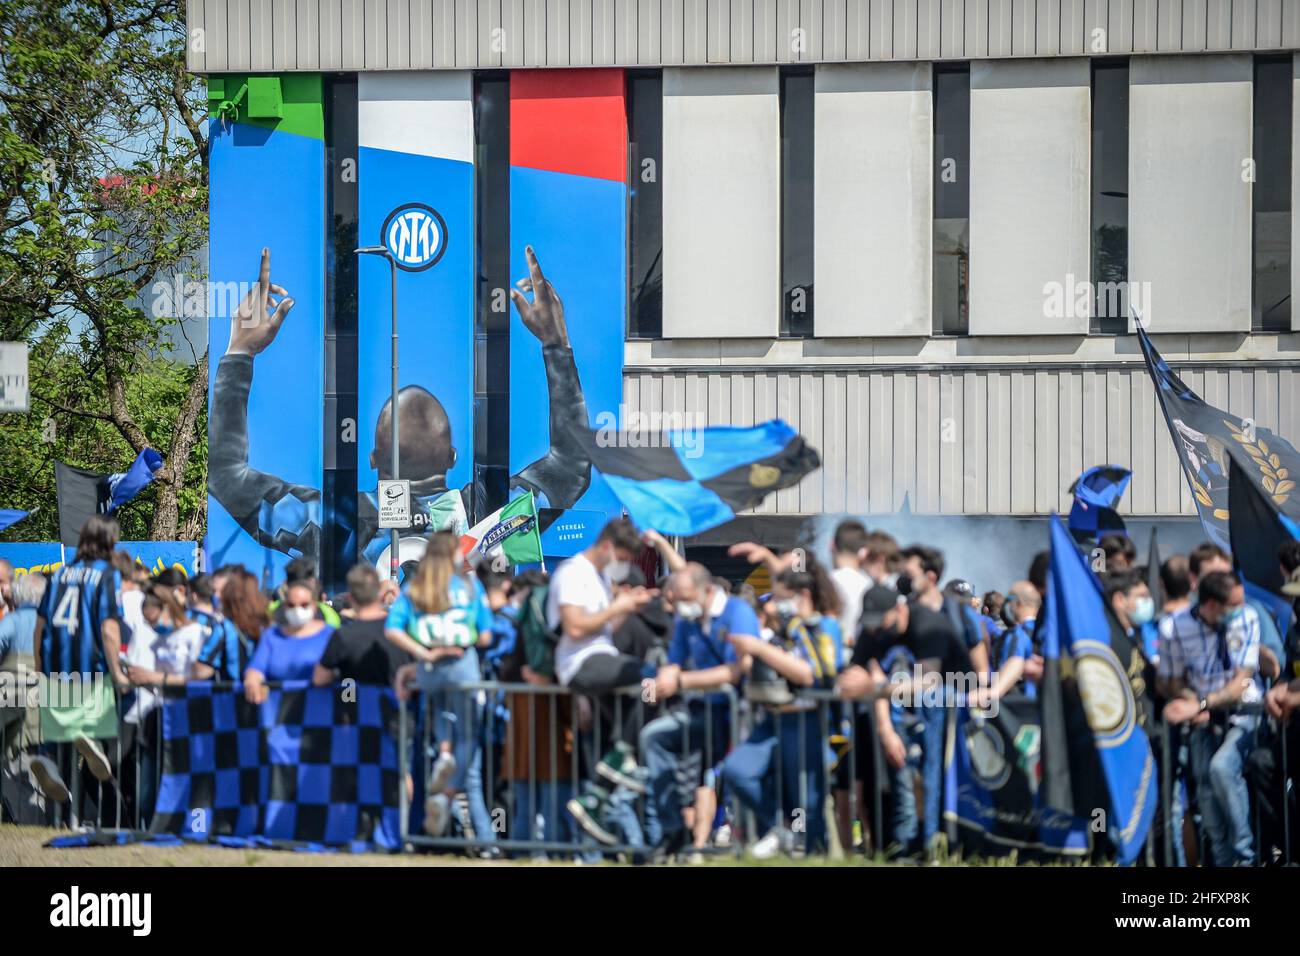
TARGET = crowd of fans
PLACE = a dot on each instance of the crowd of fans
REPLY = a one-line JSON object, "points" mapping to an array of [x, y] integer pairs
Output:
{"points": [[689, 697]]}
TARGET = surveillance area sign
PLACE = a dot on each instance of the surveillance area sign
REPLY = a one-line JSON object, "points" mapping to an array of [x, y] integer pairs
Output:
{"points": [[395, 503], [13, 377]]}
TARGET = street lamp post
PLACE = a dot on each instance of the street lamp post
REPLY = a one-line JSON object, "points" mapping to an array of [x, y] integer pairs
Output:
{"points": [[394, 559]]}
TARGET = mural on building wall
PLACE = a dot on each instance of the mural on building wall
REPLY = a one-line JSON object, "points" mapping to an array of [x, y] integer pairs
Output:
{"points": [[416, 184], [267, 271]]}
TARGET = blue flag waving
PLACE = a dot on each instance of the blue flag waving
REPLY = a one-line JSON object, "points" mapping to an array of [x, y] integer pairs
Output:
{"points": [[9, 516], [685, 481], [1093, 687], [1203, 436], [1096, 497], [125, 485]]}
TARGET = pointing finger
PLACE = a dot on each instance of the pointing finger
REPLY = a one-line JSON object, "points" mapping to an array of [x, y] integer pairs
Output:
{"points": [[534, 267], [264, 274]]}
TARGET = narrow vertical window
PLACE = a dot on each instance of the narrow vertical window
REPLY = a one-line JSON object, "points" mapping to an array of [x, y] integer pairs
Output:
{"points": [[492, 315], [1109, 201], [1271, 220], [951, 286], [645, 259], [339, 487], [797, 202]]}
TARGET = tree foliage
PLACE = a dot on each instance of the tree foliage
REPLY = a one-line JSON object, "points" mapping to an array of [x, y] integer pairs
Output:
{"points": [[103, 194]]}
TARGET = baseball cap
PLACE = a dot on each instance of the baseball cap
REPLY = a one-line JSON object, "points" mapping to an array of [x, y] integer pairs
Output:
{"points": [[876, 603]]}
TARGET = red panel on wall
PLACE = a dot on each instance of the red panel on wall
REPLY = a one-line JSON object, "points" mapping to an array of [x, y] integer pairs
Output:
{"points": [[569, 121]]}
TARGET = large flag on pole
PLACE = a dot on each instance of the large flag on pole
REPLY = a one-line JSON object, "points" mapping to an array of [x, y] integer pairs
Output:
{"points": [[82, 493], [511, 531], [1256, 529], [1094, 691], [1203, 436], [686, 481]]}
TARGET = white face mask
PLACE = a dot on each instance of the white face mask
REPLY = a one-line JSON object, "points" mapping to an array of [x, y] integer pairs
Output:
{"points": [[787, 607], [616, 571], [690, 611], [296, 617]]}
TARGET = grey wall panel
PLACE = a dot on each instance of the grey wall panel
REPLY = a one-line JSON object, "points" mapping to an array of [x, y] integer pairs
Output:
{"points": [[721, 212], [196, 36], [1290, 25], [1029, 212], [557, 33], [872, 193], [1295, 187], [1194, 26], [952, 29], [969, 440], [1268, 23], [1189, 210], [1169, 25], [1218, 25], [286, 35]]}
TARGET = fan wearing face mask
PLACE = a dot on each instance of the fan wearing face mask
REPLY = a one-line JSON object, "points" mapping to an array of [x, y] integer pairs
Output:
{"points": [[164, 652], [291, 647], [582, 607], [1134, 608]]}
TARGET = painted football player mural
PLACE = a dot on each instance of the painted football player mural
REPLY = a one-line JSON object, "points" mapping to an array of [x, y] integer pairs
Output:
{"points": [[287, 517]]}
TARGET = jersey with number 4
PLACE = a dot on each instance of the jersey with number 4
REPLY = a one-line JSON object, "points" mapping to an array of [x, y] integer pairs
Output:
{"points": [[80, 597]]}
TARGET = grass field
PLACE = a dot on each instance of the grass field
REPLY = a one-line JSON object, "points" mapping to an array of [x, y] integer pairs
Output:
{"points": [[25, 846]]}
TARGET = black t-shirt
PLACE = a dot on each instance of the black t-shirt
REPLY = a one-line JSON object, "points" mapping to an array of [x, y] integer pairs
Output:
{"points": [[929, 634], [359, 650]]}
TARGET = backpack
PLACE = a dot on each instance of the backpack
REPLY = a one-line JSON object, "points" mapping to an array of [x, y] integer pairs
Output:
{"points": [[534, 642]]}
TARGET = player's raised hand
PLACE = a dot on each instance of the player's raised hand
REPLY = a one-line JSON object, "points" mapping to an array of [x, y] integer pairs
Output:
{"points": [[544, 316], [257, 320]]}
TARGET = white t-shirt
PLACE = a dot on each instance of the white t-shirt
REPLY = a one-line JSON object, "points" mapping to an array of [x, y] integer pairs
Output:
{"points": [[173, 653], [578, 582], [851, 583]]}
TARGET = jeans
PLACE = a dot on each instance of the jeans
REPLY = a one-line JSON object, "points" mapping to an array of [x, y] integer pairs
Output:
{"points": [[1218, 761], [458, 720], [540, 800], [764, 772], [676, 748], [922, 735]]}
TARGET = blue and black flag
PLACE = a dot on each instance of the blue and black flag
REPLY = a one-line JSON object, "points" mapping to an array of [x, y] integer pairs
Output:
{"points": [[1256, 529], [307, 768], [992, 785], [690, 480], [1096, 493], [1204, 436], [83, 493], [1096, 704]]}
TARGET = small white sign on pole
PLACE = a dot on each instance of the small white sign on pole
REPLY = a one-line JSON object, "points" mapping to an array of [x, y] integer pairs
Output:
{"points": [[395, 503], [13, 377]]}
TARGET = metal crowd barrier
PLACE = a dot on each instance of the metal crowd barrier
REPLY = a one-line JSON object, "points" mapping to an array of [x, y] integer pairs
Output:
{"points": [[124, 802], [542, 742], [524, 749]]}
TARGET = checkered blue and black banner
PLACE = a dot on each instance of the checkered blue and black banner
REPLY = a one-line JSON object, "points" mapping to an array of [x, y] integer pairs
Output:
{"points": [[309, 766]]}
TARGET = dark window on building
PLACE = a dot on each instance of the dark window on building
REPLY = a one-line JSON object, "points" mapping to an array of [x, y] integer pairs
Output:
{"points": [[1109, 201], [492, 315], [1271, 222], [951, 286], [645, 258], [339, 487], [797, 202]]}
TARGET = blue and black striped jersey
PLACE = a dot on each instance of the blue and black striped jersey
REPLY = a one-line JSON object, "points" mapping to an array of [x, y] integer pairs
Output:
{"points": [[80, 597], [225, 649]]}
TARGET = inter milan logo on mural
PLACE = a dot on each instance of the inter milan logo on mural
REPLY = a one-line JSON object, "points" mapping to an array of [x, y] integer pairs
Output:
{"points": [[416, 236]]}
